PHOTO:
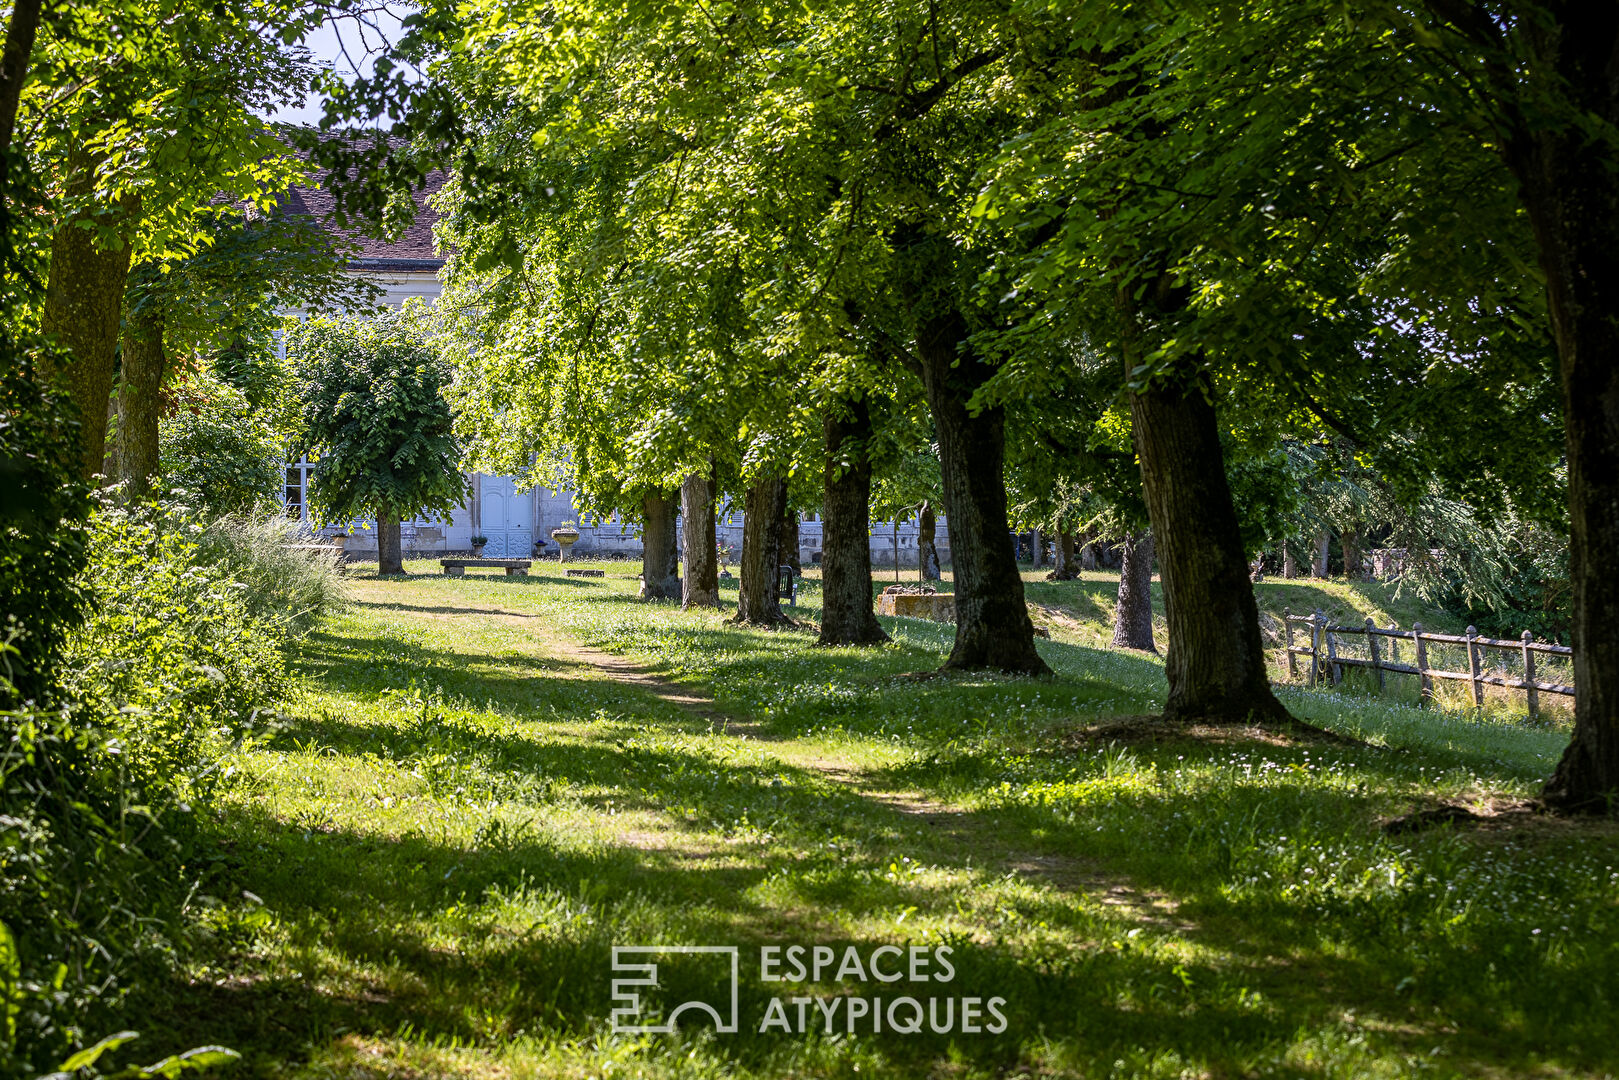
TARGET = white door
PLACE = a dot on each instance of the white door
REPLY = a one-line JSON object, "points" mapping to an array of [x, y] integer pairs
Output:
{"points": [[508, 518]]}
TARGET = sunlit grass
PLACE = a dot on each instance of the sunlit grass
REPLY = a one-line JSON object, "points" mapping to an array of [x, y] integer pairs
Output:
{"points": [[424, 873]]}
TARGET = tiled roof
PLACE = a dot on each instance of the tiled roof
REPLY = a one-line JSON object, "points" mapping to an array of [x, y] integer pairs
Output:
{"points": [[411, 251]]}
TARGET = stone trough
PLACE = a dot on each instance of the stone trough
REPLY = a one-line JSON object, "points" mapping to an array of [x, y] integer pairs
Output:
{"points": [[917, 602]]}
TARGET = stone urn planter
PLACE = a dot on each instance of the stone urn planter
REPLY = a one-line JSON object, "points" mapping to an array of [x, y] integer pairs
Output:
{"points": [[566, 537], [478, 544]]}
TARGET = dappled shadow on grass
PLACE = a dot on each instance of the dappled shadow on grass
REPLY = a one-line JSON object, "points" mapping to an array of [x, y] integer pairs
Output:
{"points": [[496, 911], [1278, 863], [787, 688]]}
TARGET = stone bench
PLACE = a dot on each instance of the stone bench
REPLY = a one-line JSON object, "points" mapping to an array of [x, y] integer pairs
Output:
{"points": [[458, 567]]}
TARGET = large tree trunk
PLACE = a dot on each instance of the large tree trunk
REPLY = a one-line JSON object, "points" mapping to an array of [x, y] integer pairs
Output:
{"points": [[84, 298], [701, 585], [789, 539], [138, 406], [1132, 616], [1062, 550], [993, 629], [1353, 570], [846, 614], [660, 561], [1565, 174], [390, 552], [927, 543], [1290, 564], [758, 602], [1037, 550], [1323, 542], [1215, 662]]}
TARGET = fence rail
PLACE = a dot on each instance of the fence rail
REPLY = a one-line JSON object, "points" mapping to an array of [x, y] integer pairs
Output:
{"points": [[1326, 663]]}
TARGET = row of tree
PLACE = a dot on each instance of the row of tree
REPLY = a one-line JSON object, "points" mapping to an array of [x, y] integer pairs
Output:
{"points": [[1136, 249], [1108, 236]]}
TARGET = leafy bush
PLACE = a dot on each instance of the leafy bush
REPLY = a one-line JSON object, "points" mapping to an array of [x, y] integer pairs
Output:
{"points": [[218, 449], [42, 545], [180, 655]]}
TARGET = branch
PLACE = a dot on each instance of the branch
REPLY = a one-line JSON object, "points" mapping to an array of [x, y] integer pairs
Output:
{"points": [[917, 107]]}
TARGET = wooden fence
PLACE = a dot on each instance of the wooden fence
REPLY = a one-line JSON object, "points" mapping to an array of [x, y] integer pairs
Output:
{"points": [[1326, 663]]}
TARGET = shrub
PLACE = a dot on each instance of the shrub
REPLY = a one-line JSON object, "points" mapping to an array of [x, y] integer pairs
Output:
{"points": [[180, 655], [42, 541], [218, 450]]}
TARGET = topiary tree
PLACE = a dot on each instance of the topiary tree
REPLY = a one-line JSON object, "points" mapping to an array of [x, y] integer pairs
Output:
{"points": [[371, 394]]}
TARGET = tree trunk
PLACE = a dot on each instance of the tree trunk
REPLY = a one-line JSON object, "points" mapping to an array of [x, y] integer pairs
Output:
{"points": [[927, 543], [660, 562], [1215, 663], [1323, 542], [1290, 565], [1565, 173], [846, 614], [758, 603], [993, 629], [390, 553], [138, 405], [1062, 552], [19, 47], [701, 585], [1087, 552], [1037, 550], [789, 540], [1132, 616], [84, 298], [1353, 570]]}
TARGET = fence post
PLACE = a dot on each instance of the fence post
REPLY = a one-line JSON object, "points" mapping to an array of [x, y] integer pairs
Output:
{"points": [[1287, 626], [1315, 648], [1371, 647], [1473, 666], [1422, 663], [1336, 671], [1529, 676]]}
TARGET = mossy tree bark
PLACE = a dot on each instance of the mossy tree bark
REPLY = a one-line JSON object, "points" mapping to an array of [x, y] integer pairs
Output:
{"points": [[993, 629], [139, 388], [1215, 663], [758, 602], [846, 613], [660, 559], [84, 297], [1132, 615], [701, 585]]}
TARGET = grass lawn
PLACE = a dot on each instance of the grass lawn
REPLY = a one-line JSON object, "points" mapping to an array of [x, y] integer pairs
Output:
{"points": [[425, 872]]}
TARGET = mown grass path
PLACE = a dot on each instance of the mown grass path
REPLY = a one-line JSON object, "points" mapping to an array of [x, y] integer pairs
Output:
{"points": [[487, 783]]}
